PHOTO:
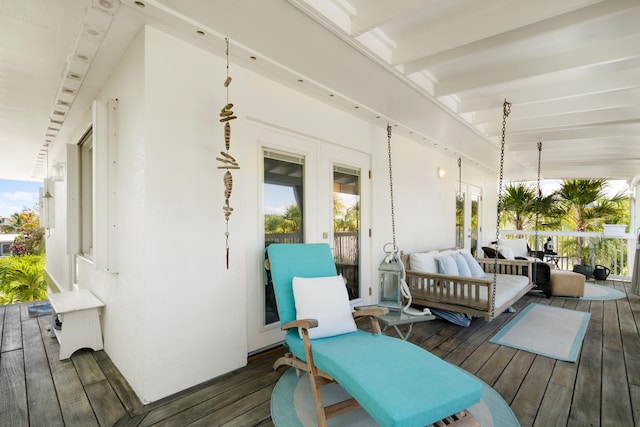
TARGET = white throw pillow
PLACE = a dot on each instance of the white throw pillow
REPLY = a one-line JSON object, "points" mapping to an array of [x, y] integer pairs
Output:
{"points": [[424, 262], [447, 265], [518, 246], [326, 300], [506, 252]]}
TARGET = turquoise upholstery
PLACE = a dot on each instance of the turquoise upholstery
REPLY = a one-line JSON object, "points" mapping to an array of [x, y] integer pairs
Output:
{"points": [[302, 260], [397, 383]]}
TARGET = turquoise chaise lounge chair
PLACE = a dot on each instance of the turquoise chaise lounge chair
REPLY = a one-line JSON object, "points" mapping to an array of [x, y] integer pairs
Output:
{"points": [[399, 384]]}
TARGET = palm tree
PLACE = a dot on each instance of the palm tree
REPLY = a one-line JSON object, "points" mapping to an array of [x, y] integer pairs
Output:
{"points": [[522, 208], [585, 205], [292, 220], [518, 205], [12, 224], [352, 217]]}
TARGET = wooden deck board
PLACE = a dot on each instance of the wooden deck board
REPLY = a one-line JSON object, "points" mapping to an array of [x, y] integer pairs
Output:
{"points": [[527, 400], [88, 389], [12, 334], [74, 403], [120, 385], [88, 370], [105, 403], [240, 410], [491, 371], [616, 404], [556, 404], [585, 409], [13, 404], [40, 388]]}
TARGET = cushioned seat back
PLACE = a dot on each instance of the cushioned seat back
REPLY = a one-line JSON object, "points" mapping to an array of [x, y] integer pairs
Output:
{"points": [[297, 259]]}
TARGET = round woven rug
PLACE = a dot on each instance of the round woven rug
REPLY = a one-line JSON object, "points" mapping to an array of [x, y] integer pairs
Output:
{"points": [[292, 405], [596, 292]]}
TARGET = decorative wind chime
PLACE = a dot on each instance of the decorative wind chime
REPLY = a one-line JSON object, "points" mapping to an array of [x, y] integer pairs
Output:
{"points": [[227, 160]]}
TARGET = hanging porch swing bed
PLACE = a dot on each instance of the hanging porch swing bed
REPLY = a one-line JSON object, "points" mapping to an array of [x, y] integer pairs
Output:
{"points": [[481, 294], [457, 282]]}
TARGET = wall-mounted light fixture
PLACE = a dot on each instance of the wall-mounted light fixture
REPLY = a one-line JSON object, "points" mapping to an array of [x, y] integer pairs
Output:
{"points": [[441, 173]]}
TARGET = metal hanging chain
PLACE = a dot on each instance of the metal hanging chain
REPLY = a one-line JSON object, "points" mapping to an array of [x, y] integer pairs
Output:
{"points": [[460, 198], [460, 175], [506, 109], [393, 216], [538, 200]]}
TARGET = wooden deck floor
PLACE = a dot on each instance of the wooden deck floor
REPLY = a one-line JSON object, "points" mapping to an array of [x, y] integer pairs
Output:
{"points": [[603, 388]]}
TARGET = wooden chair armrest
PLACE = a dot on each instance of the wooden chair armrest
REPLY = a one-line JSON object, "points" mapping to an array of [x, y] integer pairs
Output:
{"points": [[300, 323], [370, 311]]}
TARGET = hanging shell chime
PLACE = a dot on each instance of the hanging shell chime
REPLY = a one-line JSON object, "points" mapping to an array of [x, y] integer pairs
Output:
{"points": [[227, 160]]}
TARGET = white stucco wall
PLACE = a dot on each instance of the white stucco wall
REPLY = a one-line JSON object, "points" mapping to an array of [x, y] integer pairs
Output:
{"points": [[175, 316]]}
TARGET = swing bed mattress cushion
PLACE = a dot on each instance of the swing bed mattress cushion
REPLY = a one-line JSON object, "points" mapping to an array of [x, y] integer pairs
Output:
{"points": [[399, 384]]}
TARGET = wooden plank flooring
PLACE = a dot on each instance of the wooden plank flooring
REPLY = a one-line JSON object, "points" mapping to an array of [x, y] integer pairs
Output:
{"points": [[601, 389]]}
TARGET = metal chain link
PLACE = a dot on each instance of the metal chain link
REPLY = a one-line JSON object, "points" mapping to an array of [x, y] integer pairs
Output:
{"points": [[393, 219], [506, 109]]}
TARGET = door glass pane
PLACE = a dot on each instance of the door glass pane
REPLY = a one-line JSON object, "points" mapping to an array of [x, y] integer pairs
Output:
{"points": [[475, 207], [346, 226], [460, 196], [283, 207]]}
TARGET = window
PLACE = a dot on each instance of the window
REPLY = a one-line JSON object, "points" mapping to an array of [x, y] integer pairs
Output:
{"points": [[460, 211], [5, 249], [346, 226], [86, 193], [283, 207]]}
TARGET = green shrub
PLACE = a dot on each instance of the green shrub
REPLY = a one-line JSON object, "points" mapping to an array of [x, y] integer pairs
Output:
{"points": [[22, 279]]}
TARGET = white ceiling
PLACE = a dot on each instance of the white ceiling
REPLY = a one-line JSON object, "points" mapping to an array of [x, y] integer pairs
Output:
{"points": [[438, 69]]}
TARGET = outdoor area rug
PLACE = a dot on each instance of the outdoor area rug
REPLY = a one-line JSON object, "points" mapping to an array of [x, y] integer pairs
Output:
{"points": [[598, 292], [547, 330], [292, 405]]}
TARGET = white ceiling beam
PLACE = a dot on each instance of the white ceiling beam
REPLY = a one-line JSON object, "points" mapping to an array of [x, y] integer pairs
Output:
{"points": [[572, 144], [590, 56], [495, 17], [555, 90], [578, 119], [588, 102], [584, 132], [556, 23], [374, 13]]}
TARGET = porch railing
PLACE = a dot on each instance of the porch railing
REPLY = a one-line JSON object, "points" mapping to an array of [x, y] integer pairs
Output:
{"points": [[615, 253]]}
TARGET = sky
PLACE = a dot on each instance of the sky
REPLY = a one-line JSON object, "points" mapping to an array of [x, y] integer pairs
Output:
{"points": [[17, 195]]}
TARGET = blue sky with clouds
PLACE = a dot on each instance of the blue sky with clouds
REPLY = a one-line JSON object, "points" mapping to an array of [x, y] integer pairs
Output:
{"points": [[17, 195]]}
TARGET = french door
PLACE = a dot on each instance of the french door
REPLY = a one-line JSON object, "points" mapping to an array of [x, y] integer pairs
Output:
{"points": [[468, 208], [310, 192]]}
